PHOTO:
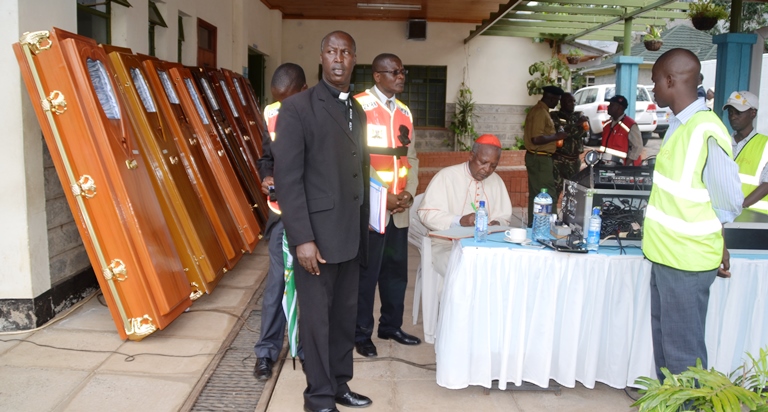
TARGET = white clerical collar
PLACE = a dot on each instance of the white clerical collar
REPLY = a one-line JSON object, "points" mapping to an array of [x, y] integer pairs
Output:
{"points": [[343, 95]]}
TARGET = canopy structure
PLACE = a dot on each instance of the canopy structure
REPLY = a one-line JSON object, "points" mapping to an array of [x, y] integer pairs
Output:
{"points": [[578, 19]]}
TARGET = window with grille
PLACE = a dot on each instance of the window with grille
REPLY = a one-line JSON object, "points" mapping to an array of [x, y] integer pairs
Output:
{"points": [[424, 91]]}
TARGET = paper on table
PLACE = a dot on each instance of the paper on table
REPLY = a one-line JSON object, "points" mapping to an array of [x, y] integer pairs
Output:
{"points": [[463, 232], [378, 215]]}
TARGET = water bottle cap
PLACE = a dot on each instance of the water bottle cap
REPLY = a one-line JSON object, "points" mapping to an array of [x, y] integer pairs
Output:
{"points": [[543, 190], [482, 203], [596, 211]]}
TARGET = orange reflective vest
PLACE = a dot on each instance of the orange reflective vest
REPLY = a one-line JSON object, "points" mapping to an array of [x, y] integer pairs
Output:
{"points": [[617, 137], [388, 151]]}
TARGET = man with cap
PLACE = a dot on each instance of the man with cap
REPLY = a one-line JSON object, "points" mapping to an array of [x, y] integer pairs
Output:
{"points": [[749, 150], [540, 139], [622, 134], [455, 191]]}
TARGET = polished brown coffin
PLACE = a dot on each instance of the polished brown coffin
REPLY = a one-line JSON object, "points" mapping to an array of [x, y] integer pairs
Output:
{"points": [[195, 162], [98, 160], [253, 120], [213, 149], [186, 218], [231, 137]]}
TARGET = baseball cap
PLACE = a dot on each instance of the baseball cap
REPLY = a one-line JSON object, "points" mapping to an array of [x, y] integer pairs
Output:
{"points": [[741, 101], [620, 100]]}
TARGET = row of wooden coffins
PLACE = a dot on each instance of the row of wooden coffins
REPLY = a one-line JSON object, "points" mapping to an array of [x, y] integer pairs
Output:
{"points": [[161, 165]]}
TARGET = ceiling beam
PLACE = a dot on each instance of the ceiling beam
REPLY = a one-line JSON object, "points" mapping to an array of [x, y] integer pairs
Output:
{"points": [[548, 26], [568, 18], [631, 14], [503, 10]]}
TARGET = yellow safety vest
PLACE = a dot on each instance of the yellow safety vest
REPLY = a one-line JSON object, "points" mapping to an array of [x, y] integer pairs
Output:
{"points": [[681, 228], [751, 160]]}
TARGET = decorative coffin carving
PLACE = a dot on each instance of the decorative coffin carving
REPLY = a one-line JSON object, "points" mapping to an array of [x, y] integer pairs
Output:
{"points": [[231, 136], [192, 101], [187, 220], [95, 151], [198, 169]]}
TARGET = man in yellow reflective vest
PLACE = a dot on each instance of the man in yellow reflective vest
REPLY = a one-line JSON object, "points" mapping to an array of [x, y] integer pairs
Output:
{"points": [[750, 150], [695, 191], [288, 80], [394, 163]]}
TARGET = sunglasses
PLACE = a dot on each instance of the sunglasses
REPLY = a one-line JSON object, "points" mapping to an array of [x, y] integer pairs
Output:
{"points": [[395, 73]]}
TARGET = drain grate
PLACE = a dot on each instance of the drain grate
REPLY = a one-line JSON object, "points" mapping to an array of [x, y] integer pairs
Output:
{"points": [[231, 386]]}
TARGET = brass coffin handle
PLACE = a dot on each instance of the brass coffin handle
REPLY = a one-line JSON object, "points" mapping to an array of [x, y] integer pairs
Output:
{"points": [[192, 142], [174, 159], [85, 187], [221, 153], [55, 103]]}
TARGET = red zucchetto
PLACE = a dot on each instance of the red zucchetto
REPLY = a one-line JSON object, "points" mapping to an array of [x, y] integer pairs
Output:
{"points": [[489, 139]]}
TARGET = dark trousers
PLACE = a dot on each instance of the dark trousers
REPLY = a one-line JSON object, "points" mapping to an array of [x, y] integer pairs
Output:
{"points": [[679, 301], [387, 266], [327, 305], [540, 175], [272, 317]]}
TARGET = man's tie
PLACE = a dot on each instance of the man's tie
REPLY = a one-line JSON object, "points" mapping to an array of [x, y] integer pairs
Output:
{"points": [[391, 105]]}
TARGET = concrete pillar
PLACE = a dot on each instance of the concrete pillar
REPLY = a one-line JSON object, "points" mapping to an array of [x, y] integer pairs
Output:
{"points": [[626, 80], [734, 61]]}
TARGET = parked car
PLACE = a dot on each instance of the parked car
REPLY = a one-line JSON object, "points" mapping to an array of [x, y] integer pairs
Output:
{"points": [[593, 102], [662, 115]]}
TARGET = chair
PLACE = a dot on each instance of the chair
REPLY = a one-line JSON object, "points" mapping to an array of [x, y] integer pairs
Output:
{"points": [[416, 234]]}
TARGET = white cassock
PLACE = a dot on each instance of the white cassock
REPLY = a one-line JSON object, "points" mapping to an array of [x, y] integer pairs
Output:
{"points": [[450, 195]]}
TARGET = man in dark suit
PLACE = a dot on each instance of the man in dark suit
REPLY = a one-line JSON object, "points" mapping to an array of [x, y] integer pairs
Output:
{"points": [[321, 179]]}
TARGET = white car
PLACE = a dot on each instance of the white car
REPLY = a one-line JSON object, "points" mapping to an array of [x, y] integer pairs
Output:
{"points": [[593, 102]]}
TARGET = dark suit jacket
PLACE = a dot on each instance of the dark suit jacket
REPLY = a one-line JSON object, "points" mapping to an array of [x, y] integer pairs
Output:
{"points": [[320, 171]]}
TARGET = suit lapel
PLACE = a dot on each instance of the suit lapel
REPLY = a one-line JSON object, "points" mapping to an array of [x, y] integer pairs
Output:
{"points": [[332, 107]]}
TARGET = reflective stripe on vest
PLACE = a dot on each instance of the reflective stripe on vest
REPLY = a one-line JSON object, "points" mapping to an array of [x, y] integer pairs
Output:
{"points": [[752, 160], [383, 127], [270, 114], [681, 228]]}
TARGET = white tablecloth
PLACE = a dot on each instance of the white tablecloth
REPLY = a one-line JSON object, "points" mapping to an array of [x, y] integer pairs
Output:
{"points": [[513, 315]]}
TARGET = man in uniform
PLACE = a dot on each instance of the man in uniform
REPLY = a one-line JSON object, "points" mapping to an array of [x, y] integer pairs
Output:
{"points": [[749, 149], [394, 162], [622, 134], [695, 191], [288, 80], [540, 139], [566, 159]]}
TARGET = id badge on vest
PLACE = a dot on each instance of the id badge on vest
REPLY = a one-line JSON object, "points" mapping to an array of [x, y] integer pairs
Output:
{"points": [[377, 136]]}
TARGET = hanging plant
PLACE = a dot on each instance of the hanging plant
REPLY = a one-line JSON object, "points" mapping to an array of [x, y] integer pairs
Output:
{"points": [[652, 39], [574, 56], [705, 14]]}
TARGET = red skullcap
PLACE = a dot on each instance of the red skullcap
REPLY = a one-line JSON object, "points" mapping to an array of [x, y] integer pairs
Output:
{"points": [[489, 139]]}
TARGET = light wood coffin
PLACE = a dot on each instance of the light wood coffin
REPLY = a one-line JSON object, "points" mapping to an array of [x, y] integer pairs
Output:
{"points": [[98, 160], [213, 149], [252, 118], [238, 154], [187, 221], [195, 162]]}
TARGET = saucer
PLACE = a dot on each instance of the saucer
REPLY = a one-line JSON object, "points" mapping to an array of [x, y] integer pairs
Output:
{"points": [[521, 241]]}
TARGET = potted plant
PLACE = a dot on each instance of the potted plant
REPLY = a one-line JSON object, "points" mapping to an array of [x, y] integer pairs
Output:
{"points": [[574, 56], [698, 389], [463, 122], [652, 38], [705, 14]]}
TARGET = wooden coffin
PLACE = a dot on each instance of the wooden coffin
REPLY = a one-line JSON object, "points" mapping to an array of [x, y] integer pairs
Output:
{"points": [[195, 162], [98, 160], [240, 156], [252, 117], [186, 218], [213, 149]]}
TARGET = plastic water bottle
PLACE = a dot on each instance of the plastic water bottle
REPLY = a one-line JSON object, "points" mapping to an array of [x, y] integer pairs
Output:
{"points": [[481, 223], [593, 234], [542, 208]]}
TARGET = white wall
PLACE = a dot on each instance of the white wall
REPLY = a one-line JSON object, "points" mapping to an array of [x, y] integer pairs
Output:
{"points": [[24, 271], [498, 66]]}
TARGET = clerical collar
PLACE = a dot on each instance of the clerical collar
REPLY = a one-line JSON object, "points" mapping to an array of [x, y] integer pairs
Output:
{"points": [[335, 92]]}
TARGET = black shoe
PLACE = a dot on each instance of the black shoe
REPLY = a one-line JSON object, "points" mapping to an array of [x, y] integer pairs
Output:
{"points": [[366, 348], [321, 410], [263, 369], [353, 400], [400, 337]]}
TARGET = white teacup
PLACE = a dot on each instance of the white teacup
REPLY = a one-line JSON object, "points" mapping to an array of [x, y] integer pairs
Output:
{"points": [[516, 234]]}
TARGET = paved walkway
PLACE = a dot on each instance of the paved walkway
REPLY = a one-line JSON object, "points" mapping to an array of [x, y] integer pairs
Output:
{"points": [[80, 364]]}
